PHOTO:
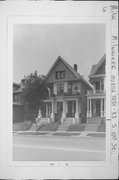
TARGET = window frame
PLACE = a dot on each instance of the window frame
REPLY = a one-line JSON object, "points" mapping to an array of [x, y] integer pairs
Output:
{"points": [[60, 88], [60, 74], [70, 87]]}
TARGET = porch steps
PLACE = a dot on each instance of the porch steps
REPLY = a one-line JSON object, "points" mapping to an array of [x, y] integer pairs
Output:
{"points": [[65, 125], [68, 121], [93, 123]]}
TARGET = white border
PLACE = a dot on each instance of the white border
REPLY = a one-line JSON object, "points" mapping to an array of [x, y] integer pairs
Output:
{"points": [[92, 169]]}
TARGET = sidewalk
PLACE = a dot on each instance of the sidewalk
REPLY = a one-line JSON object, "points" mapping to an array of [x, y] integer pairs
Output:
{"points": [[62, 133]]}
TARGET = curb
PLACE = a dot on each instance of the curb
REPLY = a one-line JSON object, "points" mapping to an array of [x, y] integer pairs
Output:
{"points": [[50, 133]]}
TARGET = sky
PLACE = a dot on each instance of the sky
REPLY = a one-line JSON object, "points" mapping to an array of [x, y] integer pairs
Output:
{"points": [[37, 46]]}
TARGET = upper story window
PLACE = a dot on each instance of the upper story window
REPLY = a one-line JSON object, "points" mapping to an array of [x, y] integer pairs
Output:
{"points": [[60, 74], [60, 89], [102, 84], [70, 88], [97, 85]]}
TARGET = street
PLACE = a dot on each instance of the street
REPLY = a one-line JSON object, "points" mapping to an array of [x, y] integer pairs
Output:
{"points": [[57, 148]]}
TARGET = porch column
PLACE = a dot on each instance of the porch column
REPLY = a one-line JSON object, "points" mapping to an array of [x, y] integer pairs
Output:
{"points": [[64, 112], [66, 107], [104, 107], [90, 107], [52, 114], [73, 109], [101, 107], [46, 110], [102, 110], [77, 111]]}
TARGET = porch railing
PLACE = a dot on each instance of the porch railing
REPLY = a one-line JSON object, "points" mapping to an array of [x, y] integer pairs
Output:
{"points": [[66, 94], [95, 91]]}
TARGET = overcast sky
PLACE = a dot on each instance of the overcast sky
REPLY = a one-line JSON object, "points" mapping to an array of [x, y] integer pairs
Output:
{"points": [[36, 47]]}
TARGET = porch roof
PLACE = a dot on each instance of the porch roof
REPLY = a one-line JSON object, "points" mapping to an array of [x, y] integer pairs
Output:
{"points": [[96, 96], [67, 98]]}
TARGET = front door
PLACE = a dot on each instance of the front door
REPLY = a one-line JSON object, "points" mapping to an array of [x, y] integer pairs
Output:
{"points": [[98, 109], [71, 109], [59, 110]]}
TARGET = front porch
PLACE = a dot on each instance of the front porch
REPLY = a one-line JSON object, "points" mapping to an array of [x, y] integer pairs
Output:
{"points": [[96, 111], [61, 111], [95, 107]]}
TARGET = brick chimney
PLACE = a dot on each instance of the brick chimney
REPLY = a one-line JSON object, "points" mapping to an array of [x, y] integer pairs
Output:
{"points": [[75, 67]]}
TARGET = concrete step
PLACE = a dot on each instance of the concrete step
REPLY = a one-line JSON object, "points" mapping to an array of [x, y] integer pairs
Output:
{"points": [[63, 126], [68, 120]]}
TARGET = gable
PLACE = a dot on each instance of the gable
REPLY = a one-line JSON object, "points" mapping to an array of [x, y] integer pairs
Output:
{"points": [[101, 69], [60, 66]]}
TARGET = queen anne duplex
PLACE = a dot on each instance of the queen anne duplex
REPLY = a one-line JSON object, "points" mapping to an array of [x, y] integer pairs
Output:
{"points": [[67, 89], [96, 97]]}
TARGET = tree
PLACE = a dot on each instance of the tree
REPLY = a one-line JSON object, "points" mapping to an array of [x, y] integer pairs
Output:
{"points": [[33, 93]]}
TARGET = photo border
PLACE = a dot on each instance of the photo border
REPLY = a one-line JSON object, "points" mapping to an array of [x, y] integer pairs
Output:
{"points": [[110, 168]]}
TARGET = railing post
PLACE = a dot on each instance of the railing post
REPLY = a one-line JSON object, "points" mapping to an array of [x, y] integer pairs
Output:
{"points": [[90, 108], [101, 107], [52, 114], [64, 112], [87, 107]]}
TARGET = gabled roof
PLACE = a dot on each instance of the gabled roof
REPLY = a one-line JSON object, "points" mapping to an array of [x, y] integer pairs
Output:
{"points": [[95, 67], [92, 69], [76, 74]]}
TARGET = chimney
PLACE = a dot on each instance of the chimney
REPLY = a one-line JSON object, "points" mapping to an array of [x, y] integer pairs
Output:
{"points": [[75, 67]]}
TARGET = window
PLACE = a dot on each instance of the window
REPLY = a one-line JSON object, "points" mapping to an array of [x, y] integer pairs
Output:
{"points": [[70, 88], [60, 89], [97, 85], [60, 74], [102, 84]]}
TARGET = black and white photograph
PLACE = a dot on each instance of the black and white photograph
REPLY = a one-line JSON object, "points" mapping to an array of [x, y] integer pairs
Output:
{"points": [[59, 94], [59, 90]]}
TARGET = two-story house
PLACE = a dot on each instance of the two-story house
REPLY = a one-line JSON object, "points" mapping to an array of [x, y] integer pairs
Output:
{"points": [[67, 94], [96, 97]]}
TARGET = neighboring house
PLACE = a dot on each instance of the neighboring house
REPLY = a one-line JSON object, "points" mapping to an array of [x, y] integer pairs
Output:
{"points": [[67, 94], [96, 97], [18, 107]]}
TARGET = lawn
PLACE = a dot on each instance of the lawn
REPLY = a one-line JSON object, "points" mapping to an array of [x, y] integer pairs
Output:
{"points": [[33, 133], [49, 127], [24, 126], [66, 134], [96, 134]]}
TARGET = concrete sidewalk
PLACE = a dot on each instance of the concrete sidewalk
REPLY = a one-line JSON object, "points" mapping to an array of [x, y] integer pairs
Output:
{"points": [[62, 133]]}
